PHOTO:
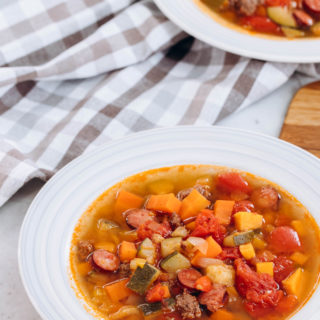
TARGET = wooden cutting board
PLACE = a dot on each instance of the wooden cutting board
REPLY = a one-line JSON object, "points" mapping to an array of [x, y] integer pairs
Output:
{"points": [[302, 123]]}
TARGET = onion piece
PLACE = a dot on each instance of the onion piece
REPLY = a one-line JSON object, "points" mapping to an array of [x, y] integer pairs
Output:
{"points": [[199, 243], [204, 262]]}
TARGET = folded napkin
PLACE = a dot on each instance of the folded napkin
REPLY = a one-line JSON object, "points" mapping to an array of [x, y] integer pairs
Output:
{"points": [[76, 73]]}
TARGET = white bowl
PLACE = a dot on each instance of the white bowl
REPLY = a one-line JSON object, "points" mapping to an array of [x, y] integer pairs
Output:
{"points": [[221, 34], [48, 226]]}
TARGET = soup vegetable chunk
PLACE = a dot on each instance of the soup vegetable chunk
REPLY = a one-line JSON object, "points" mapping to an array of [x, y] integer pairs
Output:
{"points": [[288, 18], [195, 242]]}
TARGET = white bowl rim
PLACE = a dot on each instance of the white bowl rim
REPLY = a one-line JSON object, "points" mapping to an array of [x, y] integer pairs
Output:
{"points": [[129, 137]]}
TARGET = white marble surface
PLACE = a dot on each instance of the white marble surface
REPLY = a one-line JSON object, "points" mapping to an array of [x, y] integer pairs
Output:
{"points": [[265, 116]]}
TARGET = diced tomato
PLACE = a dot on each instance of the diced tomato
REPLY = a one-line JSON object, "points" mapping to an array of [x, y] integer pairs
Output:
{"points": [[231, 182], [261, 292], [229, 253], [148, 229], [243, 205], [287, 304], [277, 3], [284, 239], [283, 267], [157, 293], [261, 24], [204, 284], [207, 224], [265, 256]]}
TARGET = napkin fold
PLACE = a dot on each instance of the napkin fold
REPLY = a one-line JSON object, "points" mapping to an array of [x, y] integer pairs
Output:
{"points": [[75, 74]]}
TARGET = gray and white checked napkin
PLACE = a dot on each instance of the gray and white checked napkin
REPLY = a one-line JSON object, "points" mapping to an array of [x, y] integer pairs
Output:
{"points": [[76, 73]]}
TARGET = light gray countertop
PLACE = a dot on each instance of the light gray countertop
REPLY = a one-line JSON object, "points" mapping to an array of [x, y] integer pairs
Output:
{"points": [[266, 116]]}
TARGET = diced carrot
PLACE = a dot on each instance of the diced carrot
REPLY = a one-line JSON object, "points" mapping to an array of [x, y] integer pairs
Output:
{"points": [[223, 211], [164, 202], [191, 225], [118, 291], [214, 249], [158, 293], [222, 314], [127, 251], [127, 200], [83, 268], [204, 284], [193, 204]]}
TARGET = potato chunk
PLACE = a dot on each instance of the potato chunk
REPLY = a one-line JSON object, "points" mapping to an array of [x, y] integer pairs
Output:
{"points": [[222, 274]]}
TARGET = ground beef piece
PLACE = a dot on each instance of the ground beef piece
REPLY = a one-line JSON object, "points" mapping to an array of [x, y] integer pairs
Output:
{"points": [[247, 7], [85, 247], [214, 299], [175, 220], [124, 270], [188, 306], [204, 190]]}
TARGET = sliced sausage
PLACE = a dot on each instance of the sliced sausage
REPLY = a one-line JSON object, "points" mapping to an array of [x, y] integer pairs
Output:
{"points": [[85, 247], [137, 217], [188, 277], [105, 260], [243, 205], [266, 197], [302, 18], [313, 6], [214, 299], [148, 229]]}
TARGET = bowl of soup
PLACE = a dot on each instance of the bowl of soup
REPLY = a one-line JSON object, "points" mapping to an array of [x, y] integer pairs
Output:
{"points": [[216, 224], [272, 30]]}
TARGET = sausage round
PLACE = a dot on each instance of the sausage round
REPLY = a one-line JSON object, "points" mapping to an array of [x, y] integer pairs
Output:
{"points": [[312, 6], [302, 18], [137, 217], [266, 197], [188, 277], [105, 260]]}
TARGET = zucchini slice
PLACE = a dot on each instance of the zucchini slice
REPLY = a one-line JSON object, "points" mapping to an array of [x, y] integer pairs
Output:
{"points": [[106, 225], [149, 308], [170, 245], [282, 15], [243, 237], [147, 250], [174, 262], [142, 278]]}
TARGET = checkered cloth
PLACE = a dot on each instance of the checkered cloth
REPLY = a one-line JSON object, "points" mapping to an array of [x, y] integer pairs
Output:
{"points": [[77, 73]]}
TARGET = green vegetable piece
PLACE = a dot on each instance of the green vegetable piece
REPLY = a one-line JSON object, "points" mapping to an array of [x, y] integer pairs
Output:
{"points": [[282, 15], [175, 262], [147, 251], [149, 308], [143, 278], [244, 237], [292, 33], [170, 245]]}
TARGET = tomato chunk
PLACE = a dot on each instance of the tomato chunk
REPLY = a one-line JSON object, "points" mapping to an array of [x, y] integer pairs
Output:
{"points": [[261, 292], [207, 224], [157, 293], [261, 24], [277, 3], [287, 304], [283, 267], [232, 181], [229, 253], [149, 228], [243, 205], [284, 239]]}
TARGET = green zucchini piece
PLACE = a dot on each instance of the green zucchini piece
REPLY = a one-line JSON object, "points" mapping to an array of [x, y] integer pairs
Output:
{"points": [[147, 250], [282, 15], [174, 262], [149, 308], [243, 237], [142, 278], [292, 33], [170, 245]]}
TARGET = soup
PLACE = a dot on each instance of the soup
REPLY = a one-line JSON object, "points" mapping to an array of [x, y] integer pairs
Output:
{"points": [[190, 242], [286, 18]]}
